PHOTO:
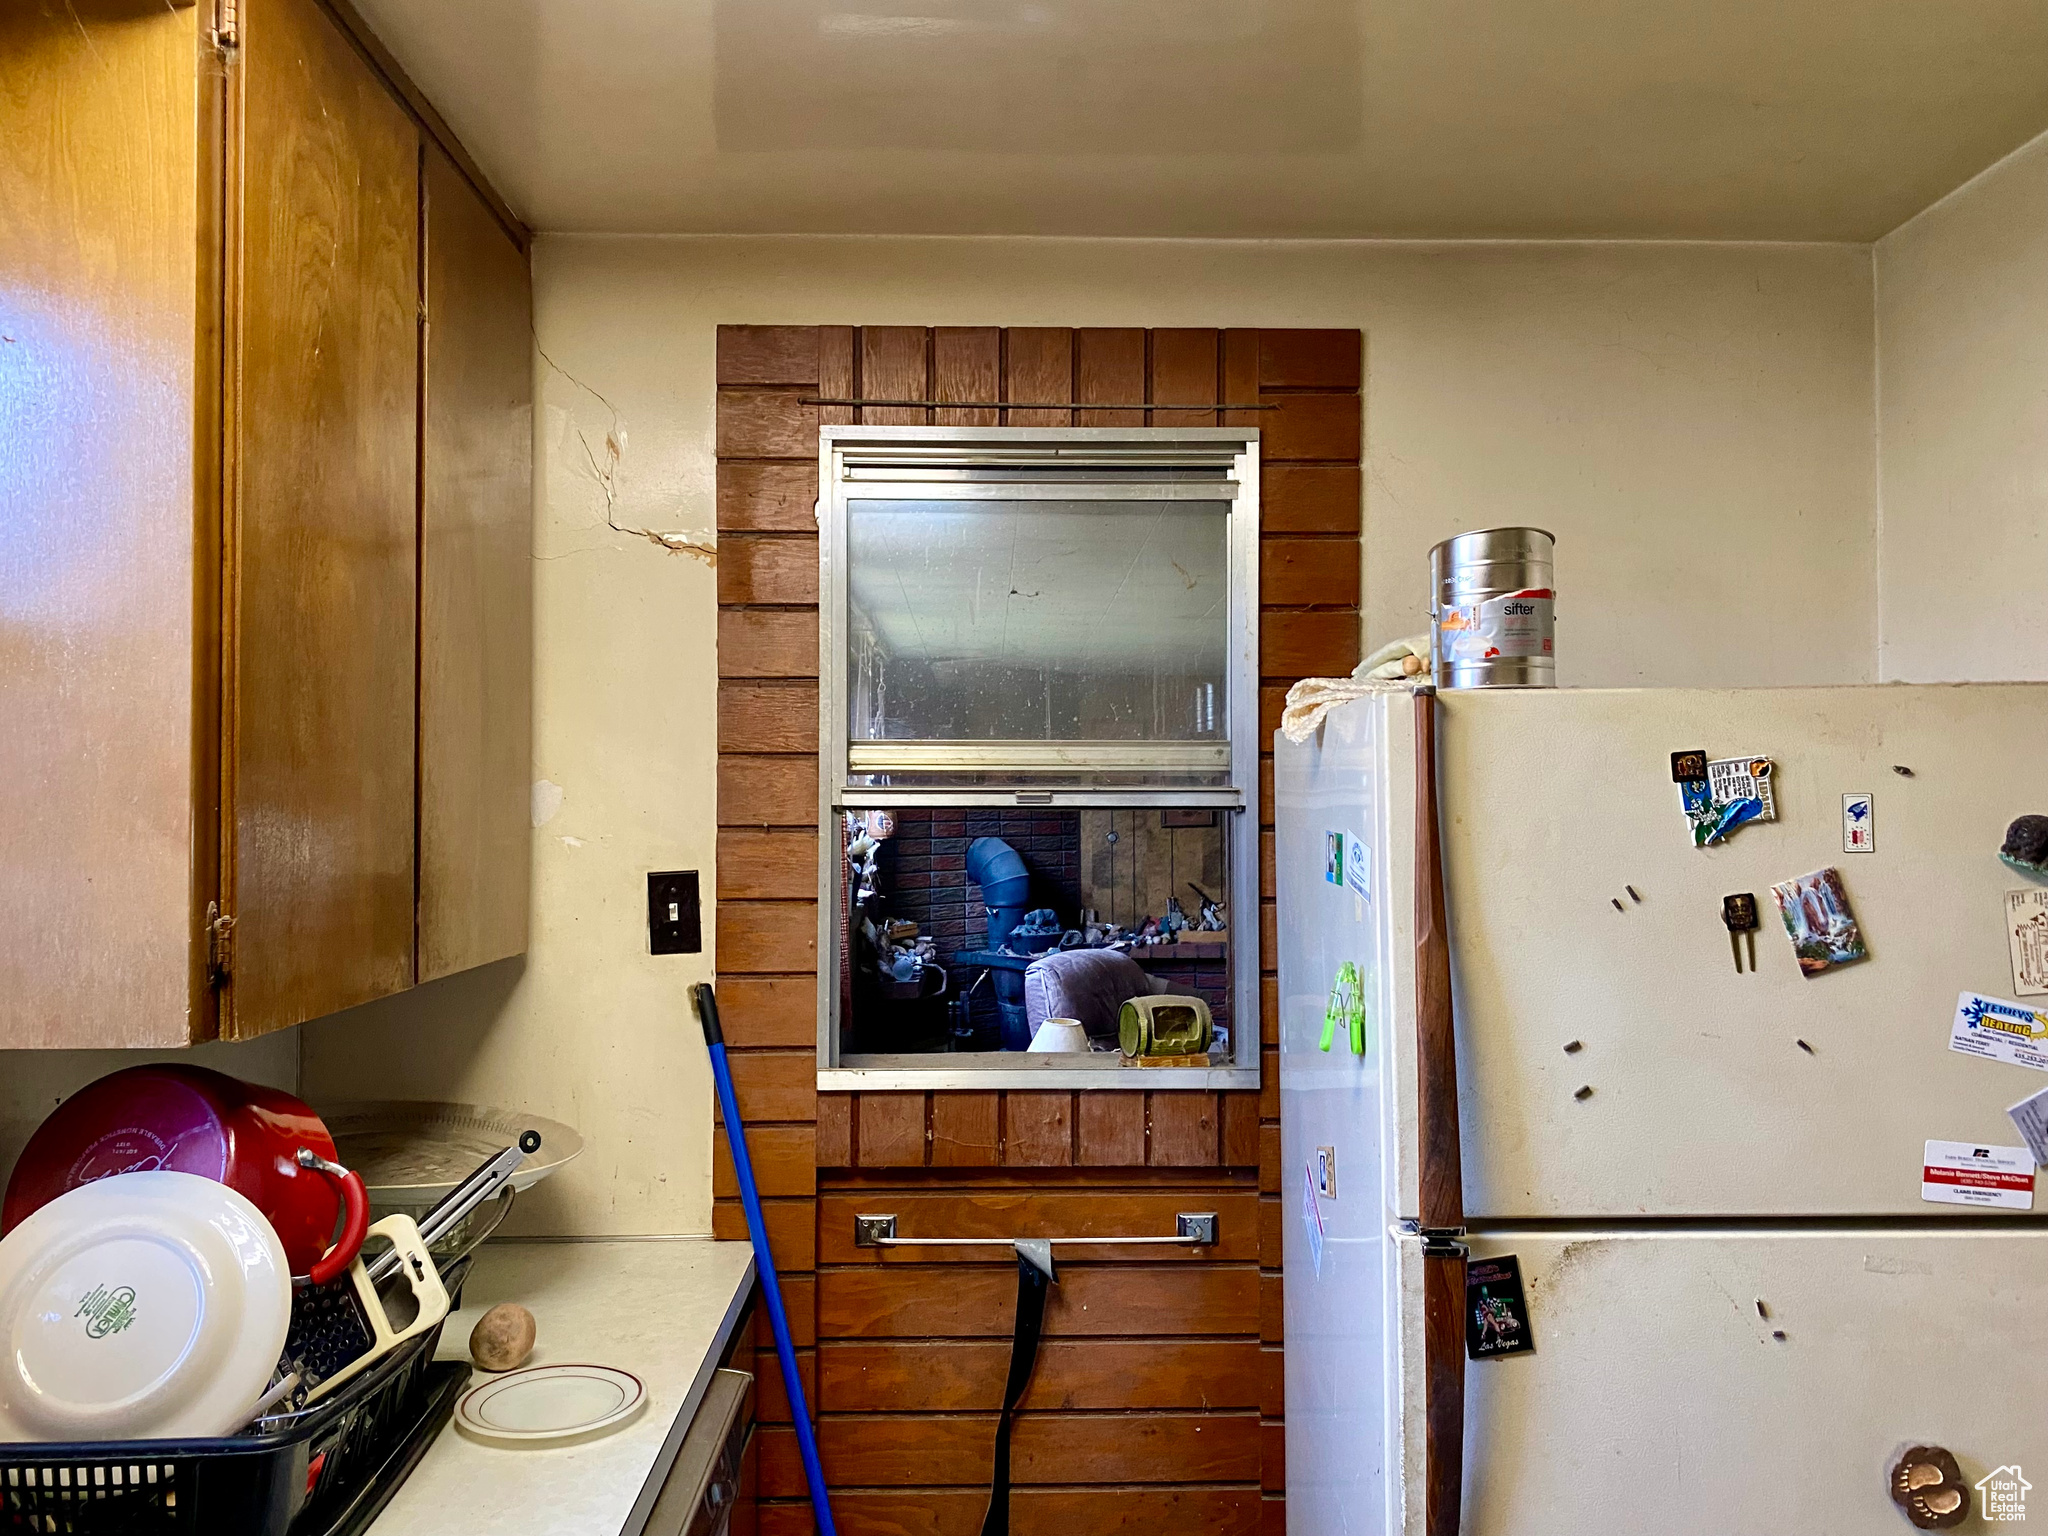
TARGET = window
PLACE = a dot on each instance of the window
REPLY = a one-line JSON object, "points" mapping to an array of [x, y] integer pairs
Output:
{"points": [[1039, 752]]}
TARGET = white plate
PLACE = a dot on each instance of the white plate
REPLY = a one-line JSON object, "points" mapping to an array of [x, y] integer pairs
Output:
{"points": [[150, 1306], [549, 1404], [411, 1153]]}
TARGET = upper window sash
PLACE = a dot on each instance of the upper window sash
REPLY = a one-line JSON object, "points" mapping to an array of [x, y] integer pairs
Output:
{"points": [[1070, 613]]}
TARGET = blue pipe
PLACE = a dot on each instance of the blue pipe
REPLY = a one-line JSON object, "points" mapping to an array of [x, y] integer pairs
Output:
{"points": [[1005, 885], [764, 1261]]}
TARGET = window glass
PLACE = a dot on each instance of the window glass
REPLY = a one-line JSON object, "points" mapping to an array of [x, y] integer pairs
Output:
{"points": [[965, 928], [1038, 621]]}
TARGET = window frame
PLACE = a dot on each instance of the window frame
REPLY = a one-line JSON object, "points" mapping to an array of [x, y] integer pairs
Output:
{"points": [[844, 451]]}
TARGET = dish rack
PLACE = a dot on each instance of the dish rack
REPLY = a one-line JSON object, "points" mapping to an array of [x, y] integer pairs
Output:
{"points": [[326, 1470]]}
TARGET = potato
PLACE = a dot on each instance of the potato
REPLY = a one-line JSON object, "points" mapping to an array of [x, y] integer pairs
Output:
{"points": [[503, 1337]]}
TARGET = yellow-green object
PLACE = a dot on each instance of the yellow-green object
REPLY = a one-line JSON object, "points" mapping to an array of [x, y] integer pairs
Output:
{"points": [[1346, 1007], [1164, 1026]]}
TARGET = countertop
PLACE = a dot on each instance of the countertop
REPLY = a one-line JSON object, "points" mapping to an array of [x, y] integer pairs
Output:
{"points": [[662, 1308]]}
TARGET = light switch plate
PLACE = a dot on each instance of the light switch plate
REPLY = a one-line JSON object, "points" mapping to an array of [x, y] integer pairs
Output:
{"points": [[674, 925]]}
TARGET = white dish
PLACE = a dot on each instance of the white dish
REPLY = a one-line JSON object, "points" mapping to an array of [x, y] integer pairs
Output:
{"points": [[551, 1404], [411, 1153], [149, 1306]]}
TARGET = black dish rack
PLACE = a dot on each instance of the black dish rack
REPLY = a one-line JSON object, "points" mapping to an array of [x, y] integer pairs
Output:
{"points": [[325, 1471]]}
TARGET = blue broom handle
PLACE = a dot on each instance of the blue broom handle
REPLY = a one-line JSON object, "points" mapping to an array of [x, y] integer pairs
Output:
{"points": [[764, 1261]]}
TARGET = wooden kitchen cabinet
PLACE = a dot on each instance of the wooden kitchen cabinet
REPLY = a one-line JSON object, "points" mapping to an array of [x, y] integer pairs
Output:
{"points": [[264, 525]]}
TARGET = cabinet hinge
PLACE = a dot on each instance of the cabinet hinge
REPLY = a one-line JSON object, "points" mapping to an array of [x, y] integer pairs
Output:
{"points": [[227, 23], [220, 944]]}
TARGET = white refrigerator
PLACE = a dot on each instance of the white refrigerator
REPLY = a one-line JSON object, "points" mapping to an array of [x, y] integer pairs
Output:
{"points": [[1743, 1310]]}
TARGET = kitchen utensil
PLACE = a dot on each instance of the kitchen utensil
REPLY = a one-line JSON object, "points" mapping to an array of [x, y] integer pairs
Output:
{"points": [[1060, 1035], [1164, 1025], [764, 1258], [492, 1176], [191, 1120], [151, 1305], [550, 1404], [339, 1331], [412, 1154]]}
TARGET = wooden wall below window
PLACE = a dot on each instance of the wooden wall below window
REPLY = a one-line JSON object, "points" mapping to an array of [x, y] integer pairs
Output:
{"points": [[1157, 1406]]}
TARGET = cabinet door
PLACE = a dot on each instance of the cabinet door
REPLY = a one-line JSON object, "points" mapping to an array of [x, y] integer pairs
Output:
{"points": [[100, 198], [476, 582], [322, 589]]}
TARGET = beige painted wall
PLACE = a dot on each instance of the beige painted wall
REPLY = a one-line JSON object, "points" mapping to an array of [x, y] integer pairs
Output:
{"points": [[1962, 345], [1693, 421]]}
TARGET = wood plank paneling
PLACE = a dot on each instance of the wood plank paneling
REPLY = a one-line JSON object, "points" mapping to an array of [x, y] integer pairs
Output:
{"points": [[835, 1130], [1302, 572], [893, 367], [755, 791], [1185, 371], [476, 582], [1040, 368], [1038, 1130], [1110, 369], [771, 1397], [768, 570], [1044, 1448], [1055, 1211], [1321, 644], [1112, 1129], [1310, 359], [766, 424], [967, 364], [1241, 382], [775, 1085], [759, 1011], [889, 1130], [1324, 428], [767, 936], [1311, 498], [1185, 1131], [768, 498], [1272, 1382], [784, 1157], [1240, 1130], [1023, 1161], [836, 350], [1068, 1511], [768, 717], [930, 1377], [767, 354], [791, 1236], [1090, 1300], [1269, 1159], [768, 642], [325, 519], [1272, 1312], [766, 865], [966, 1130]]}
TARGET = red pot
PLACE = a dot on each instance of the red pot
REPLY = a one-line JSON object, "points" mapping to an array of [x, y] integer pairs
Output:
{"points": [[191, 1120]]}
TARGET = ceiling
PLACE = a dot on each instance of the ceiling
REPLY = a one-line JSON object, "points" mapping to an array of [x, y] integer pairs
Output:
{"points": [[1709, 119]]}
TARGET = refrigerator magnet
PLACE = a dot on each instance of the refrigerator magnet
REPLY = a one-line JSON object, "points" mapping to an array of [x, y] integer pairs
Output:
{"points": [[1996, 1030], [1859, 823], [2030, 1116], [1312, 1218], [1496, 1311], [1964, 1173], [2026, 935], [1817, 918], [1333, 857]]}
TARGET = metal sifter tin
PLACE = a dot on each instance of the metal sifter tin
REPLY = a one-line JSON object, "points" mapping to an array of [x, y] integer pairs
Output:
{"points": [[1491, 609]]}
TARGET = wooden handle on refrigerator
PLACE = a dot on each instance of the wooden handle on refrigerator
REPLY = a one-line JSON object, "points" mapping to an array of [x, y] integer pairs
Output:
{"points": [[1442, 1176]]}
